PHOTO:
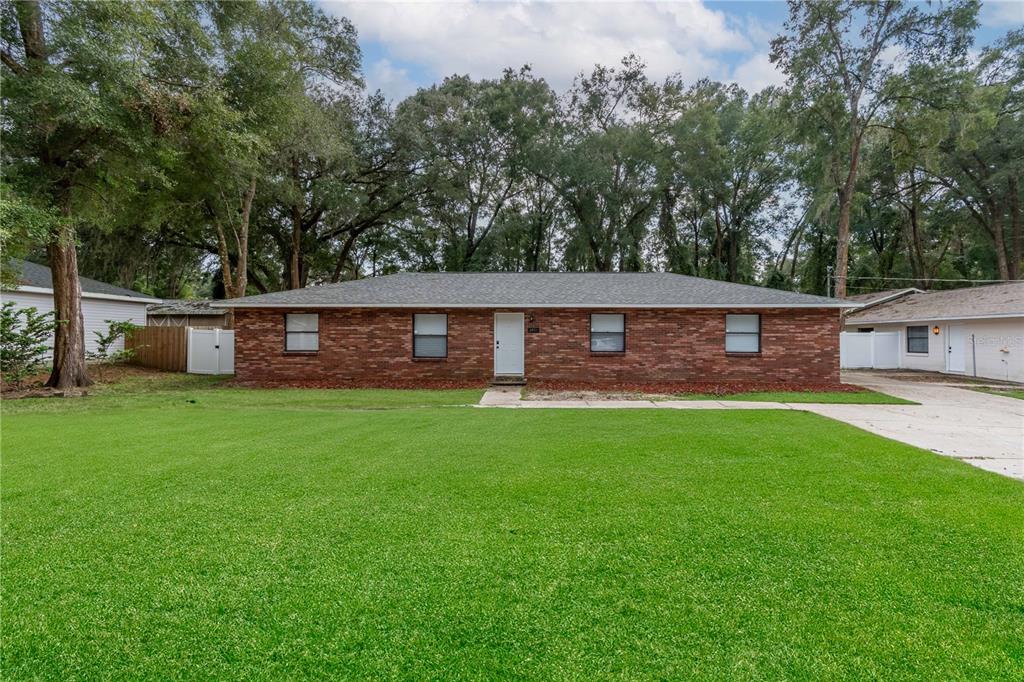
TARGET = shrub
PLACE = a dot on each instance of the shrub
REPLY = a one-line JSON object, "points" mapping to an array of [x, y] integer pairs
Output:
{"points": [[116, 329], [24, 337]]}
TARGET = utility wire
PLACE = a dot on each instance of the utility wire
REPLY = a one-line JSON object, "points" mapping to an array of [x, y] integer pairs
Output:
{"points": [[915, 279]]}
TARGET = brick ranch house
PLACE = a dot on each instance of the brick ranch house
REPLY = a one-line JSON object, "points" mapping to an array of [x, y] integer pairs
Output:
{"points": [[435, 329]]}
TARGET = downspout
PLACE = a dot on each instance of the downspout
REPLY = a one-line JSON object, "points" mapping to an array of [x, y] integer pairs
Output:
{"points": [[974, 358]]}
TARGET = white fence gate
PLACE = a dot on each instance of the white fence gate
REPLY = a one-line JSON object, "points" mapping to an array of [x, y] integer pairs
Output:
{"points": [[871, 350], [211, 351]]}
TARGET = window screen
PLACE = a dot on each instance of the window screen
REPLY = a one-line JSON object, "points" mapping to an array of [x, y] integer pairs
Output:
{"points": [[917, 339], [301, 332], [607, 333], [430, 336], [742, 333]]}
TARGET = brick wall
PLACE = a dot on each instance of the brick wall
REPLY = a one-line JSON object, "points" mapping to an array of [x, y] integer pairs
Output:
{"points": [[374, 347]]}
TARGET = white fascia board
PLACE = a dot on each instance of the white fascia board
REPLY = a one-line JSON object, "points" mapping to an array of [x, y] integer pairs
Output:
{"points": [[90, 294], [602, 306], [999, 316]]}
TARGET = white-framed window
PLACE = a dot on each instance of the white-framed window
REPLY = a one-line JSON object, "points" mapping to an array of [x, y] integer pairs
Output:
{"points": [[607, 333], [917, 339], [743, 333], [302, 332], [430, 335]]}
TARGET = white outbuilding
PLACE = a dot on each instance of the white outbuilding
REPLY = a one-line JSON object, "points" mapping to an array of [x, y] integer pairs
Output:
{"points": [[977, 331], [100, 301]]}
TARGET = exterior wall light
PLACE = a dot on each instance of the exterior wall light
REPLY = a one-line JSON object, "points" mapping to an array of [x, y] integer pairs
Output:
{"points": [[935, 330]]}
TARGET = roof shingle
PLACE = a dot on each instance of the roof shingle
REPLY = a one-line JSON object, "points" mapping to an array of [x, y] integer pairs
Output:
{"points": [[535, 289], [993, 300], [35, 275], [184, 307]]}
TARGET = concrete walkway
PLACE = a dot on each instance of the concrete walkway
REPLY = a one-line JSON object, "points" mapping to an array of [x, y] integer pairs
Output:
{"points": [[981, 429]]}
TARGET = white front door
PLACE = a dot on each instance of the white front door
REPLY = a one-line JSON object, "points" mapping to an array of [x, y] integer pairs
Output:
{"points": [[956, 349], [508, 343]]}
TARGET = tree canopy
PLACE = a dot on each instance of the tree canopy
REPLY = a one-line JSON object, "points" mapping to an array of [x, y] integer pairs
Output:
{"points": [[225, 148]]}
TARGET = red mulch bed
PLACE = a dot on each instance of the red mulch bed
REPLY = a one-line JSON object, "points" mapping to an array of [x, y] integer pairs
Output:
{"points": [[327, 383], [702, 388]]}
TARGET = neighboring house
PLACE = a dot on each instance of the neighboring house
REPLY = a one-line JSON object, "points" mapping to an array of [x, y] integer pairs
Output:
{"points": [[865, 300], [579, 328], [100, 301], [977, 331], [182, 313]]}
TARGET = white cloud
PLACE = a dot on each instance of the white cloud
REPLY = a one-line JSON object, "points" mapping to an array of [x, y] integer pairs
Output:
{"points": [[559, 39], [757, 73], [393, 81], [1002, 13]]}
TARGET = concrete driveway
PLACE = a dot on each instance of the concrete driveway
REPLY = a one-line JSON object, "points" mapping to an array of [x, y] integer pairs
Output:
{"points": [[981, 429]]}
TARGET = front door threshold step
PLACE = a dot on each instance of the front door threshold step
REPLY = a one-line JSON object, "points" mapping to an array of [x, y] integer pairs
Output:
{"points": [[508, 380]]}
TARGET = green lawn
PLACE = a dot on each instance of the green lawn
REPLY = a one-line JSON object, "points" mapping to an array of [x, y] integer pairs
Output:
{"points": [[173, 391], [1017, 393], [844, 397], [282, 534]]}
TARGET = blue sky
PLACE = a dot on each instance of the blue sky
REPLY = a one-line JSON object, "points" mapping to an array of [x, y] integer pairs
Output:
{"points": [[411, 44]]}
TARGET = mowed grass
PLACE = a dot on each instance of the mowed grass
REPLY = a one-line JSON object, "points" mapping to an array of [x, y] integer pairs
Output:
{"points": [[170, 391], [263, 535], [1017, 393], [837, 397]]}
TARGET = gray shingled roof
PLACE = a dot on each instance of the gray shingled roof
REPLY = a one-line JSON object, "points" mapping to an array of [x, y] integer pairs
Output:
{"points": [[35, 275], [184, 307], [535, 289], [994, 300], [881, 295]]}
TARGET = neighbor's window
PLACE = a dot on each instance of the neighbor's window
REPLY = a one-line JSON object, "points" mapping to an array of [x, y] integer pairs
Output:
{"points": [[607, 333], [917, 339], [301, 332], [430, 336], [742, 333]]}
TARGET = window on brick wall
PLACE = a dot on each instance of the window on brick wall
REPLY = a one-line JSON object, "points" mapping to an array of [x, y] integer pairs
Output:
{"points": [[430, 335], [742, 333], [302, 332], [607, 333], [917, 339]]}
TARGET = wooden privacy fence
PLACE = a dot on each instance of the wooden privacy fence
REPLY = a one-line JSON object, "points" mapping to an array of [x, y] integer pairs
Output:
{"points": [[159, 347]]}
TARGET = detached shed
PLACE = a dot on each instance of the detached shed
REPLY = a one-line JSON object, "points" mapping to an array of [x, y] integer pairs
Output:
{"points": [[977, 331], [100, 301], [183, 313]]}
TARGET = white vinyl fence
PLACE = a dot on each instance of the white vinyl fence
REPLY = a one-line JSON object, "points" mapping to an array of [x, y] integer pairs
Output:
{"points": [[211, 351], [872, 350]]}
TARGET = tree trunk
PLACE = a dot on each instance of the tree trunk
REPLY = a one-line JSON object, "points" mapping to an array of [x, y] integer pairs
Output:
{"points": [[1015, 229], [235, 284], [295, 247], [242, 262], [695, 223], [295, 260], [30, 23], [843, 233], [69, 370], [995, 226], [346, 249], [734, 253], [225, 260]]}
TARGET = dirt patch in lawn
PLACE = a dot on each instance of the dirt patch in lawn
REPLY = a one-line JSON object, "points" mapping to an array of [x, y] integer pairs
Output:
{"points": [[554, 391], [106, 379]]}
